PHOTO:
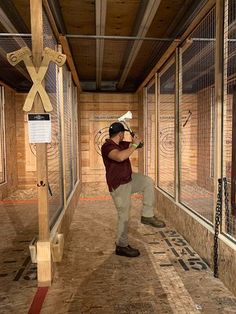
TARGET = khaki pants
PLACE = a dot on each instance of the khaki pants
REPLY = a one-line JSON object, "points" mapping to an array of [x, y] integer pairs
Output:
{"points": [[122, 200]]}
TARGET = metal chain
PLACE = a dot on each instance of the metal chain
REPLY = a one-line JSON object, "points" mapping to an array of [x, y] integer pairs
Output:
{"points": [[217, 224], [227, 211]]}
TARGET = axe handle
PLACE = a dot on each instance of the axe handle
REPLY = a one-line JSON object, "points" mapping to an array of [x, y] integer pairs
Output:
{"points": [[130, 131], [140, 145]]}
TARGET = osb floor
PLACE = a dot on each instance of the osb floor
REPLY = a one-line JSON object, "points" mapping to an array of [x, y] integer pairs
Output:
{"points": [[168, 277], [17, 274]]}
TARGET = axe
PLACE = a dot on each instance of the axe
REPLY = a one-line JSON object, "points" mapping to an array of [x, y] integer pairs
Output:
{"points": [[128, 116]]}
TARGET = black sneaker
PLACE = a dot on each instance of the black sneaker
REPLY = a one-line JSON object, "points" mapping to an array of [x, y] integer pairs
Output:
{"points": [[127, 251], [153, 221]]}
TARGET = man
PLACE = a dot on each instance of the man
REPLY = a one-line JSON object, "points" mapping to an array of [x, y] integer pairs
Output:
{"points": [[122, 182]]}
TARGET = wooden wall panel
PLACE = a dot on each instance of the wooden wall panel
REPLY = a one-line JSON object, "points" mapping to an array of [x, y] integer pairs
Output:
{"points": [[98, 111], [141, 130], [11, 153], [151, 134], [166, 140], [205, 149], [189, 138], [228, 112], [26, 161]]}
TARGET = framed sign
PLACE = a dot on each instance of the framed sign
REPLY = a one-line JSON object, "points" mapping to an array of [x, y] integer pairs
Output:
{"points": [[39, 125]]}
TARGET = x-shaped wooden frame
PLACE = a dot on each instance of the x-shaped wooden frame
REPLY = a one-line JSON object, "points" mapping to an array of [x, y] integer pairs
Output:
{"points": [[24, 54]]}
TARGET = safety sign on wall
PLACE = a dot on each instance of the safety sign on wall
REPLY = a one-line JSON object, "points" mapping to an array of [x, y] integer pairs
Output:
{"points": [[39, 126]]}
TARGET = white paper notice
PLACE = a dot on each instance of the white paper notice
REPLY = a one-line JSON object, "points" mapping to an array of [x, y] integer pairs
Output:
{"points": [[39, 127]]}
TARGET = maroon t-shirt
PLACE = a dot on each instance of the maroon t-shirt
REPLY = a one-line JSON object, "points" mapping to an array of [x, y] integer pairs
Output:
{"points": [[117, 173]]}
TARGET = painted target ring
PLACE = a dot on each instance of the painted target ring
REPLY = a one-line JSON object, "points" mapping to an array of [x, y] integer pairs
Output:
{"points": [[167, 142], [52, 148], [100, 138]]}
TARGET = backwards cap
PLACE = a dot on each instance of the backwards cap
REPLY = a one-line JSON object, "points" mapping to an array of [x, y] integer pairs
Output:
{"points": [[116, 127]]}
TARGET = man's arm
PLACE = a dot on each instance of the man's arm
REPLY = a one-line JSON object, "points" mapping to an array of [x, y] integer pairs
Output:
{"points": [[121, 155]]}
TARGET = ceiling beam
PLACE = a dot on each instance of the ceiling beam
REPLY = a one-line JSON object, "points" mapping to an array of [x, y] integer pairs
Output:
{"points": [[51, 19], [208, 6], [10, 28], [57, 23], [58, 18], [10, 10], [69, 60], [148, 16], [101, 9], [164, 57]]}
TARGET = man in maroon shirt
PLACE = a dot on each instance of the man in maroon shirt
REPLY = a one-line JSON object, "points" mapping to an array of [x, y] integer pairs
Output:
{"points": [[122, 182]]}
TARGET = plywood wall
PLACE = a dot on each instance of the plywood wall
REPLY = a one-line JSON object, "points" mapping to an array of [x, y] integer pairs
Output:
{"points": [[98, 111], [188, 142], [150, 136], [26, 161], [11, 152], [166, 140], [141, 131], [205, 152]]}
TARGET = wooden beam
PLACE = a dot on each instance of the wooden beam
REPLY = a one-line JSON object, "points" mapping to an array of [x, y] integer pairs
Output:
{"points": [[62, 121], [160, 63], [233, 163], [14, 17], [145, 130], [69, 59], [141, 131], [101, 8], [158, 102], [218, 97], [178, 97], [43, 244], [10, 28], [147, 19], [176, 42], [204, 54], [55, 8], [209, 5], [51, 19], [156, 128]]}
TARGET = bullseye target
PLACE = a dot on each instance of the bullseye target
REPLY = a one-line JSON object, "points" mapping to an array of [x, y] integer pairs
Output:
{"points": [[167, 142], [100, 138]]}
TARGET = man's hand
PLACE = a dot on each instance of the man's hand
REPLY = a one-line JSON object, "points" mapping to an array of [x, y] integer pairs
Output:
{"points": [[136, 140], [140, 145]]}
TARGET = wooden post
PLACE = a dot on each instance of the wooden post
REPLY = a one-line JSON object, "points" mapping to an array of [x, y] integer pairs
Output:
{"points": [[158, 102], [43, 244], [145, 130], [177, 119], [218, 95], [156, 130], [233, 163], [141, 131], [62, 115]]}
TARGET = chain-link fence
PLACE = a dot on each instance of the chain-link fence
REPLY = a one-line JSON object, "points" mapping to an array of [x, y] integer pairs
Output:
{"points": [[197, 128], [166, 128]]}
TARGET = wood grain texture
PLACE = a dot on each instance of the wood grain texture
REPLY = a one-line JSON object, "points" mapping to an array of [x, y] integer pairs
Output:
{"points": [[98, 111]]}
